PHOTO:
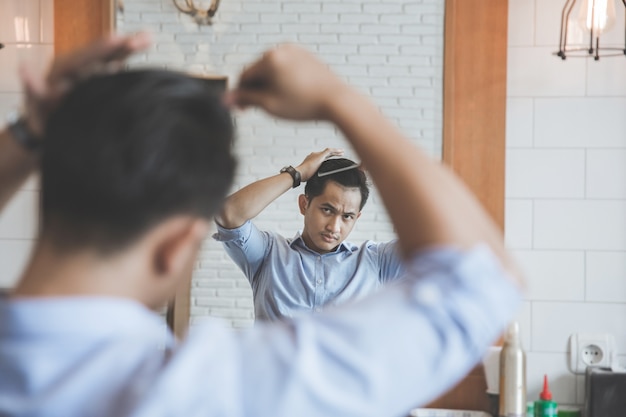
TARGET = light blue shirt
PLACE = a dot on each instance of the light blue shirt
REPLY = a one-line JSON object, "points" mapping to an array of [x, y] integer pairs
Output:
{"points": [[288, 278], [379, 357]]}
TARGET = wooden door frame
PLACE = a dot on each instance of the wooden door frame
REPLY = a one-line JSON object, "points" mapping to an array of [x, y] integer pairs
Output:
{"points": [[474, 103], [474, 114]]}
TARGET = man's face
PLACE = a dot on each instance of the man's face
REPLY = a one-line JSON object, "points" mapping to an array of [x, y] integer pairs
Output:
{"points": [[329, 217]]}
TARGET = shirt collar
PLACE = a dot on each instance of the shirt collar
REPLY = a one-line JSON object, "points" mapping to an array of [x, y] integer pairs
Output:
{"points": [[297, 239]]}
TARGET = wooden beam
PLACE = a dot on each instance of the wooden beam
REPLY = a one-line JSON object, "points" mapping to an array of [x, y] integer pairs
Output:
{"points": [[474, 129], [475, 97], [78, 22]]}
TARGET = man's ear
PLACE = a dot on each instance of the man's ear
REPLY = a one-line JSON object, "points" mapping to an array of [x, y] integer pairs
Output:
{"points": [[303, 203], [176, 245]]}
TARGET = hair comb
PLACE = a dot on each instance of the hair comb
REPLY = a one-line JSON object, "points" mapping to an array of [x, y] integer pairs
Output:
{"points": [[334, 171]]}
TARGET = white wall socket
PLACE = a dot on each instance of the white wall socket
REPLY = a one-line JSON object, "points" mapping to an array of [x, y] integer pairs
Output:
{"points": [[591, 349]]}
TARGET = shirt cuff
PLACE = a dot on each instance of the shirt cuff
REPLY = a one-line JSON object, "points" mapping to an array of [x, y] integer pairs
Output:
{"points": [[229, 235]]}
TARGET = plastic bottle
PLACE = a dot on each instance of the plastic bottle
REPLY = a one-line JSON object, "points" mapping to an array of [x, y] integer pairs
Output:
{"points": [[545, 407], [512, 375]]}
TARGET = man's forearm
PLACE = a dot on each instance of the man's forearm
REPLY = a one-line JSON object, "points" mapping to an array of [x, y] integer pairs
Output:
{"points": [[252, 199], [16, 164]]}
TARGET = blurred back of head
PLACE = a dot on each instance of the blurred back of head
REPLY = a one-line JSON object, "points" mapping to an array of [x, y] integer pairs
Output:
{"points": [[124, 152]]}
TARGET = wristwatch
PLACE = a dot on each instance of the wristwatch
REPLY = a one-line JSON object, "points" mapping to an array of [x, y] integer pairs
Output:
{"points": [[20, 131], [295, 175]]}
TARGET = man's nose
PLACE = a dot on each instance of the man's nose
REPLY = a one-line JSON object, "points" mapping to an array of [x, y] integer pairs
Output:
{"points": [[334, 224]]}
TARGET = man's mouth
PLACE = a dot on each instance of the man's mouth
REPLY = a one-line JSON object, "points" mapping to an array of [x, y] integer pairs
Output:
{"points": [[328, 238]]}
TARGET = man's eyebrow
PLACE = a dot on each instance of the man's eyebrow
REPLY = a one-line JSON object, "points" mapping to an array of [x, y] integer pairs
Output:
{"points": [[333, 208]]}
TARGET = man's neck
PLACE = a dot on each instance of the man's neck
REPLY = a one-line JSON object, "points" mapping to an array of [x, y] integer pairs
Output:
{"points": [[81, 273]]}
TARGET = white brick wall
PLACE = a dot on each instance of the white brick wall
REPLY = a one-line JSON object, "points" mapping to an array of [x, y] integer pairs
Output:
{"points": [[566, 192], [390, 49], [30, 42]]}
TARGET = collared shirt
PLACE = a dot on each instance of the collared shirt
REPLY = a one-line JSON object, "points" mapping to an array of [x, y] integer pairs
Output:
{"points": [[378, 357], [288, 278]]}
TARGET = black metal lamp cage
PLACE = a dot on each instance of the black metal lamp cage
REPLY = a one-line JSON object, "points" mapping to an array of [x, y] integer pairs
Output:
{"points": [[593, 49]]}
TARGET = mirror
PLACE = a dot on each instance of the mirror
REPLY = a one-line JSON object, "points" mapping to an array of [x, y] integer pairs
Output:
{"points": [[399, 65]]}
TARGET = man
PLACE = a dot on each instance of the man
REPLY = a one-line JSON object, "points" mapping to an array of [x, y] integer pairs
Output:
{"points": [[317, 267], [77, 337]]}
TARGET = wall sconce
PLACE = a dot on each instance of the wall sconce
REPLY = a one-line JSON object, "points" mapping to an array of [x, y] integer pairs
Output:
{"points": [[199, 15], [593, 19]]}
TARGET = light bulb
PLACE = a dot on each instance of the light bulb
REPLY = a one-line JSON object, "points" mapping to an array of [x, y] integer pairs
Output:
{"points": [[597, 16]]}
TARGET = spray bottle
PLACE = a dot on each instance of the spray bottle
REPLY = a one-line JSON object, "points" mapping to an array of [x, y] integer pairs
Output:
{"points": [[512, 375]]}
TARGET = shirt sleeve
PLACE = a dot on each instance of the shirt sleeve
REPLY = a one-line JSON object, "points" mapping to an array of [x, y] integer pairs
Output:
{"points": [[390, 264], [377, 357], [246, 245]]}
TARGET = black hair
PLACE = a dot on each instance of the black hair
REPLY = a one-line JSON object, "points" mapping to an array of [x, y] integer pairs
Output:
{"points": [[124, 152], [352, 178]]}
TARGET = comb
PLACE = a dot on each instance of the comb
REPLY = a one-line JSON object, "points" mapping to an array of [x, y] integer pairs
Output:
{"points": [[334, 171]]}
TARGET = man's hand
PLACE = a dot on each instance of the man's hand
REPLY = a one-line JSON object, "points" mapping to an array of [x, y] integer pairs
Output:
{"points": [[289, 82], [43, 92], [312, 162]]}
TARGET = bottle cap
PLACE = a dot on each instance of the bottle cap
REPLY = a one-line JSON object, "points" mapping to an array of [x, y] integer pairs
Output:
{"points": [[512, 334], [545, 395]]}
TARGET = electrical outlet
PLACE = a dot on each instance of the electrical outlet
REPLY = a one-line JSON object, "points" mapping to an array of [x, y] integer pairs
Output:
{"points": [[591, 349]]}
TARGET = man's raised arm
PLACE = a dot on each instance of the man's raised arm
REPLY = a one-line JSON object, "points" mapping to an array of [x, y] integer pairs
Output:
{"points": [[252, 199], [19, 141], [428, 205]]}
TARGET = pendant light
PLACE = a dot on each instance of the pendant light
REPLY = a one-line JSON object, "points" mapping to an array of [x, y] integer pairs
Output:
{"points": [[583, 22]]}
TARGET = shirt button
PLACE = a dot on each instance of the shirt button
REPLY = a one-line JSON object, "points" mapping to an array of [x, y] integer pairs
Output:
{"points": [[319, 282]]}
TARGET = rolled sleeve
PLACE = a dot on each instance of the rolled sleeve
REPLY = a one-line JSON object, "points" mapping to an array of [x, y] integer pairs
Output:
{"points": [[238, 234], [246, 245]]}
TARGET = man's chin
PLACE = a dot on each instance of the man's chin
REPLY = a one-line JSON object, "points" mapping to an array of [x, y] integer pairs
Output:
{"points": [[328, 246]]}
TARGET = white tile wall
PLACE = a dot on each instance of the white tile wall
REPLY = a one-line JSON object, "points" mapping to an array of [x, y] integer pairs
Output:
{"points": [[535, 71], [519, 122], [606, 173], [554, 275], [580, 122], [521, 28], [518, 225], [389, 49], [580, 224], [606, 77], [566, 191], [608, 283], [26, 28], [554, 173]]}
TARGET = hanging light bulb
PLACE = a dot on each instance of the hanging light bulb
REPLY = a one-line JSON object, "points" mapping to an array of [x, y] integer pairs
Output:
{"points": [[597, 16]]}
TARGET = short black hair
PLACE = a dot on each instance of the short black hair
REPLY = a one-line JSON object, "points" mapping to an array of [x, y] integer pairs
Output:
{"points": [[352, 178], [125, 151]]}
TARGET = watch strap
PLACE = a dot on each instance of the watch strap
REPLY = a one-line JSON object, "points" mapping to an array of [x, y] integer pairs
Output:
{"points": [[295, 175]]}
